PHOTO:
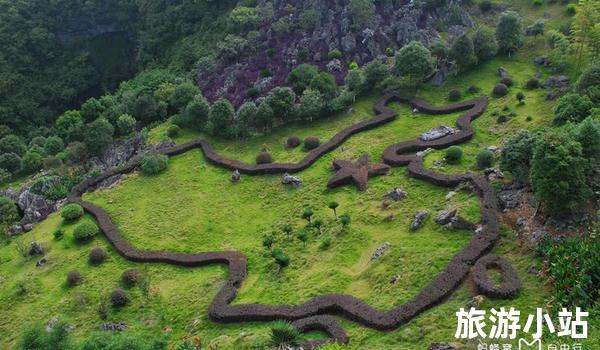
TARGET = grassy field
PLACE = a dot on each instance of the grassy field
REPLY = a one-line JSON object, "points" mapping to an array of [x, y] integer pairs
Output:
{"points": [[193, 207]]}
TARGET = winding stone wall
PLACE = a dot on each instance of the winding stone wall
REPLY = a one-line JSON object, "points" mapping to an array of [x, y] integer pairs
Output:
{"points": [[316, 313]]}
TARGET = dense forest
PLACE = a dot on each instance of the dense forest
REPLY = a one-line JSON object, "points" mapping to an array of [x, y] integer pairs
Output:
{"points": [[67, 51]]}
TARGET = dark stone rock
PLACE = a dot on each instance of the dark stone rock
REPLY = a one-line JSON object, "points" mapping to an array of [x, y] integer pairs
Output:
{"points": [[419, 220], [119, 152], [395, 279], [35, 207], [559, 84], [236, 176], [380, 251], [36, 249], [442, 346], [15, 230], [41, 262], [503, 73], [542, 61], [460, 223], [510, 198], [396, 194], [113, 327], [533, 270], [111, 181], [445, 216], [493, 174], [437, 133], [27, 227], [293, 181]]}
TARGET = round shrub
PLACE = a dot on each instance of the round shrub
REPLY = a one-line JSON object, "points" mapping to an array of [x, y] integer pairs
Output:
{"points": [[502, 119], [85, 231], [473, 89], [73, 278], [500, 90], [71, 212], [53, 145], [533, 83], [485, 159], [507, 81], [153, 164], [264, 158], [119, 298], [130, 277], [311, 143], [571, 9], [521, 97], [454, 153], [173, 131], [293, 142], [10, 162], [97, 256], [454, 95]]}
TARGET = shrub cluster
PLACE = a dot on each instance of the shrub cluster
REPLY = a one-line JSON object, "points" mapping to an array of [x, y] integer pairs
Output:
{"points": [[85, 231], [73, 278], [264, 158], [119, 298], [153, 164], [97, 256], [130, 277], [293, 142], [454, 95], [71, 212], [454, 153], [311, 143]]}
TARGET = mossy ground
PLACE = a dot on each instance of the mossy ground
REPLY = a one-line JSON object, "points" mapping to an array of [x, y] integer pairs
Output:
{"points": [[193, 208]]}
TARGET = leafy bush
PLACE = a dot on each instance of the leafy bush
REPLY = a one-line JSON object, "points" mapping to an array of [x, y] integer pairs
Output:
{"points": [[73, 278], [98, 136], [71, 212], [12, 144], [97, 256], [484, 43], [10, 162], [173, 131], [85, 231], [311, 143], [517, 153], [500, 90], [130, 277], [119, 298], [454, 153], [36, 337], [533, 83], [126, 124], [414, 61], [574, 268], [264, 158], [281, 258], [571, 9], [334, 54], [345, 220], [537, 2], [293, 142], [485, 159], [153, 164], [8, 211], [473, 89], [31, 162], [123, 341], [454, 95], [53, 145], [58, 234], [301, 76], [520, 97], [572, 107], [325, 243], [284, 335]]}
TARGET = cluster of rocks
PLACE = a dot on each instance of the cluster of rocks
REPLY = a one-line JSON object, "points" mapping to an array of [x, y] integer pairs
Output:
{"points": [[380, 251], [510, 196], [493, 174], [445, 216], [419, 220], [236, 176], [34, 207], [437, 133], [558, 86]]}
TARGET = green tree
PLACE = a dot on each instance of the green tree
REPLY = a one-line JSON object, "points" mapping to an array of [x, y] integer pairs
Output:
{"points": [[70, 126], [587, 133], [196, 113], [301, 76], [463, 52], [307, 214], [221, 118], [517, 153], [484, 43], [247, 113], [53, 145], [362, 13], [91, 109], [325, 84], [126, 124], [558, 173], [375, 72], [183, 94], [98, 136], [311, 105], [31, 162], [414, 61], [572, 107], [8, 211], [589, 82], [509, 32], [146, 109], [333, 206], [12, 144], [243, 18], [355, 80], [281, 100], [264, 117], [10, 162], [537, 28]]}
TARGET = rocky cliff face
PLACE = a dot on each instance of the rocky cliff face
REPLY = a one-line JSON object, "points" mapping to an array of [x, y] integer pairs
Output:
{"points": [[394, 24]]}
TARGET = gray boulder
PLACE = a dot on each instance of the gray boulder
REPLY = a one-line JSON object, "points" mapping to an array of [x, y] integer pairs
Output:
{"points": [[419, 220], [41, 262], [437, 133], [334, 65], [396, 194], [236, 176], [442, 346], [35, 249], [503, 73], [493, 174], [380, 251], [113, 327], [119, 152], [445, 216], [459, 223], [290, 180]]}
